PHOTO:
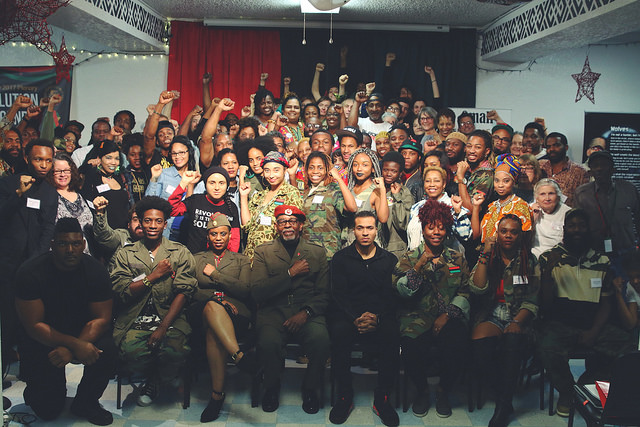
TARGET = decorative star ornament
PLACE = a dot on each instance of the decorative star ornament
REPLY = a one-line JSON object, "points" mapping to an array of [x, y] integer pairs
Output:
{"points": [[586, 82], [63, 60]]}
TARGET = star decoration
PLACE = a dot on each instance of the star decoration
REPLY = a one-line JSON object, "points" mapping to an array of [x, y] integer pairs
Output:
{"points": [[586, 81], [63, 60]]}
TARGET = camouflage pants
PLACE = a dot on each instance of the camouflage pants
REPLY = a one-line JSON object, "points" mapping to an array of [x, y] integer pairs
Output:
{"points": [[163, 363], [557, 339]]}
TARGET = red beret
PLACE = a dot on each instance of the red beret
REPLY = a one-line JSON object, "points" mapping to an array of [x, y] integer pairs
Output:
{"points": [[289, 210]]}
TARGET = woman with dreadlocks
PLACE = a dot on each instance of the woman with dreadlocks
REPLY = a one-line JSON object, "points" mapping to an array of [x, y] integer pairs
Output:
{"points": [[367, 186], [508, 279]]}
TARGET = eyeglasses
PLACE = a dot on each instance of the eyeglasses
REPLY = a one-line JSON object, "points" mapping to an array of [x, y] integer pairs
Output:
{"points": [[497, 138], [333, 115], [527, 168], [62, 172], [179, 153], [396, 109], [426, 118], [283, 222], [468, 123], [313, 126]]}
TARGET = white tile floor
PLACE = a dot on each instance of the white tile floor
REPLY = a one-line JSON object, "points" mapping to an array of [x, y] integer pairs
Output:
{"points": [[237, 411]]}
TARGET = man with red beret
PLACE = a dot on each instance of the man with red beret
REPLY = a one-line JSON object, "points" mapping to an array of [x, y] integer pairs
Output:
{"points": [[289, 282]]}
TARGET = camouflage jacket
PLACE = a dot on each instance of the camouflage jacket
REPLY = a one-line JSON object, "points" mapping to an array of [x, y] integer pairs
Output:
{"points": [[443, 287], [481, 180], [324, 209], [517, 293]]}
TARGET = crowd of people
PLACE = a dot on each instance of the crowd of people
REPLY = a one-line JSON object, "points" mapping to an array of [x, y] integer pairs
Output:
{"points": [[328, 220]]}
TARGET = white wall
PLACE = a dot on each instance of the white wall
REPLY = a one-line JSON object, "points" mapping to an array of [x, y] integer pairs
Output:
{"points": [[548, 90], [101, 86]]}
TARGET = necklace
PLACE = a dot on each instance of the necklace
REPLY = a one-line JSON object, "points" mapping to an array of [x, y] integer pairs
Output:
{"points": [[500, 205]]}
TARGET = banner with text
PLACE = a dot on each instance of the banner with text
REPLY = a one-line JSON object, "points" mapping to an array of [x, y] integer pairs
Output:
{"points": [[36, 83], [480, 116], [622, 133]]}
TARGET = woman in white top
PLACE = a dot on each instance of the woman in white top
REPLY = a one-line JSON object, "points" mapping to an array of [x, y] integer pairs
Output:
{"points": [[548, 216]]}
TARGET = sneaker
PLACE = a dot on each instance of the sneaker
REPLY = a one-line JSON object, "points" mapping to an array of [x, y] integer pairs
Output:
{"points": [[443, 407], [341, 410], [93, 412], [564, 405], [383, 409], [212, 411], [422, 403], [148, 392]]}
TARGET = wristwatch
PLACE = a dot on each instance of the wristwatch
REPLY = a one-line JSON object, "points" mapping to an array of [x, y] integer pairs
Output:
{"points": [[309, 311], [146, 282]]}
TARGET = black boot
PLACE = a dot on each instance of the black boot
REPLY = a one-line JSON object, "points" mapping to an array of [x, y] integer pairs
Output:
{"points": [[483, 351], [511, 361]]}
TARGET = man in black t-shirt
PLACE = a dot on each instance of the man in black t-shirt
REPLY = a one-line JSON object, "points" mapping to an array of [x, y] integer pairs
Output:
{"points": [[64, 302]]}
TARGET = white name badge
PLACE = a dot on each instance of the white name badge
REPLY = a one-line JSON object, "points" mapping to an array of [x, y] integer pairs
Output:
{"points": [[359, 203], [520, 280], [596, 282], [103, 188], [170, 189], [91, 205], [317, 199], [265, 220], [33, 203], [608, 246], [140, 277]]}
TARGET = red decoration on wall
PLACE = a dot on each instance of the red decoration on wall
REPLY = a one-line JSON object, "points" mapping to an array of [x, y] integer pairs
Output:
{"points": [[586, 82], [26, 20]]}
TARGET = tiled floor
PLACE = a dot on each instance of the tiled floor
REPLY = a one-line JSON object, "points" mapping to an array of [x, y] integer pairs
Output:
{"points": [[237, 411]]}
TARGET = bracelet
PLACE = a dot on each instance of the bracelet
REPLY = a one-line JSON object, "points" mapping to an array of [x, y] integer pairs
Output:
{"points": [[482, 261], [147, 283], [155, 112], [484, 255], [433, 81]]}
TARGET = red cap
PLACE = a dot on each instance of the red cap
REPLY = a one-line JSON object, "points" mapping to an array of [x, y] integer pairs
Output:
{"points": [[289, 210]]}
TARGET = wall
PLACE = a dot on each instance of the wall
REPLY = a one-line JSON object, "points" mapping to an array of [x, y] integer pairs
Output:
{"points": [[101, 86], [548, 90]]}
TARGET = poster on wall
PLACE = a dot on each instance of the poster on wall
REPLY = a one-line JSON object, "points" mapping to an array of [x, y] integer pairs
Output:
{"points": [[36, 83], [622, 133], [480, 116]]}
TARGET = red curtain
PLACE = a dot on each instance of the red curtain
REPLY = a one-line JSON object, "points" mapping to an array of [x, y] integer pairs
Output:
{"points": [[234, 57]]}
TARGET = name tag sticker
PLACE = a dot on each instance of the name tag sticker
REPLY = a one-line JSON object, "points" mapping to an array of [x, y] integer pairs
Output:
{"points": [[359, 203], [265, 220], [608, 246], [170, 189], [318, 199], [520, 280], [563, 198], [102, 188], [33, 203], [596, 282]]}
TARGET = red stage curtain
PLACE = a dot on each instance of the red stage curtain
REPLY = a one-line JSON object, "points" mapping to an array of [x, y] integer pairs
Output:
{"points": [[234, 57]]}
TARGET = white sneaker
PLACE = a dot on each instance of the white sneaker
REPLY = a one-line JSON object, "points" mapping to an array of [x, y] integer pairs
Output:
{"points": [[148, 392]]}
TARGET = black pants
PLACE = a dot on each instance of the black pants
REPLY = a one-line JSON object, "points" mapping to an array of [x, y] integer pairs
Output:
{"points": [[46, 385], [384, 341], [448, 349]]}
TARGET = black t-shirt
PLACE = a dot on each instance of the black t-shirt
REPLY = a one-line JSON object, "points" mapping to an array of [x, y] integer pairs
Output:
{"points": [[65, 294], [194, 225]]}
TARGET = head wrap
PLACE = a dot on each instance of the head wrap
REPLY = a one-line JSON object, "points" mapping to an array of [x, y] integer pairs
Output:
{"points": [[275, 156], [510, 164]]}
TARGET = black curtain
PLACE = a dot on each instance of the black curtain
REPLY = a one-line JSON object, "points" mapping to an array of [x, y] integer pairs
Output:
{"points": [[452, 55]]}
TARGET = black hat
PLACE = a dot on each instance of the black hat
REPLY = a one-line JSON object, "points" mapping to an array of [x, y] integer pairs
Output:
{"points": [[351, 131], [74, 123], [602, 153]]}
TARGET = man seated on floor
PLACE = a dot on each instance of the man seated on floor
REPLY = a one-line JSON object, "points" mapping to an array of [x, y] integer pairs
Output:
{"points": [[153, 279], [64, 300], [362, 309], [289, 283], [576, 299]]}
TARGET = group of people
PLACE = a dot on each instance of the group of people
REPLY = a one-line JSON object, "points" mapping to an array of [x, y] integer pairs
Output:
{"points": [[325, 220]]}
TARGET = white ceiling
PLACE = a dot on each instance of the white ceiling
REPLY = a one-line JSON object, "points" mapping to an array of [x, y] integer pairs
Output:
{"points": [[455, 13]]}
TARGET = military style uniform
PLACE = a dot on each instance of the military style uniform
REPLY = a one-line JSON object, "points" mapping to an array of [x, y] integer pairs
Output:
{"points": [[438, 288], [393, 233], [279, 297], [261, 227], [133, 262], [324, 209]]}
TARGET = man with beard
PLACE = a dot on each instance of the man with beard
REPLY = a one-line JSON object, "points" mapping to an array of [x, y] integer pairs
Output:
{"points": [[100, 131], [561, 168], [158, 133], [475, 174], [125, 120], [576, 296], [501, 135], [454, 149], [613, 207], [106, 237], [137, 174], [64, 302], [28, 206], [289, 282], [373, 124], [11, 153], [411, 172]]}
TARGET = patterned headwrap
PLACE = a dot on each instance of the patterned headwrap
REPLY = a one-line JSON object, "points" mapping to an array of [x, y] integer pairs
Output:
{"points": [[275, 156], [510, 164], [376, 172]]}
